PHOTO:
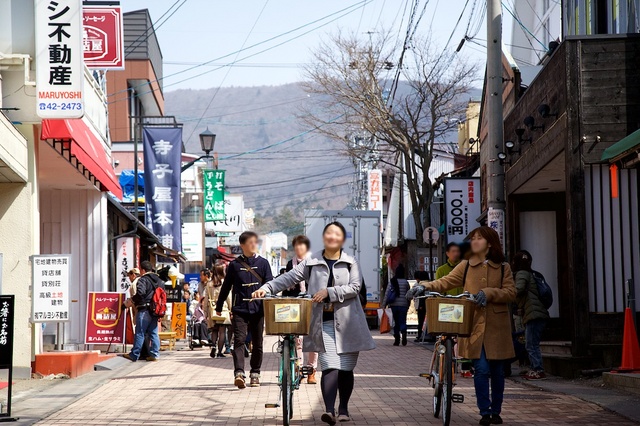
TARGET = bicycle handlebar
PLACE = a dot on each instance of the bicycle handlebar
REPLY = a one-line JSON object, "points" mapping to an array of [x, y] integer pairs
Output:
{"points": [[465, 295], [275, 296]]}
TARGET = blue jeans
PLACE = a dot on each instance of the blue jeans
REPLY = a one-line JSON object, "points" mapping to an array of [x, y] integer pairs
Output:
{"points": [[399, 319], [532, 334], [486, 370], [146, 325]]}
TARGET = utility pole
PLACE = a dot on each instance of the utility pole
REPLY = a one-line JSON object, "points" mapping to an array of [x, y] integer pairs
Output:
{"points": [[494, 142]]}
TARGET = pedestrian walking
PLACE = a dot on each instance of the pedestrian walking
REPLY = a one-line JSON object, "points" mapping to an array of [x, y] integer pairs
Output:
{"points": [[453, 258], [532, 311], [217, 325], [245, 275], [395, 298], [339, 328], [486, 276], [146, 322], [301, 246]]}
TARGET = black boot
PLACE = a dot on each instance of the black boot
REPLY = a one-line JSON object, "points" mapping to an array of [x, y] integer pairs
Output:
{"points": [[404, 338], [396, 342]]}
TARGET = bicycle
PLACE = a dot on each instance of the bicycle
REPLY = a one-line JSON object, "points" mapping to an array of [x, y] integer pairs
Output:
{"points": [[450, 317], [288, 318]]}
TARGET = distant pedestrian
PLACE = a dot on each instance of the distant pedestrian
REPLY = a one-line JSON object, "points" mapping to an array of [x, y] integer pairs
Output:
{"points": [[217, 327], [395, 298], [339, 329], [532, 311], [453, 258], [486, 276], [146, 322], [245, 275]]}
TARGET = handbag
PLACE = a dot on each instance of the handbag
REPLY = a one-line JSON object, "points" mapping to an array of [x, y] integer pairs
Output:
{"points": [[385, 323], [213, 317]]}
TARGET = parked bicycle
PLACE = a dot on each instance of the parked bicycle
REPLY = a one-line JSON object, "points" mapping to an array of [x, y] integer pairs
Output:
{"points": [[288, 318], [449, 317]]}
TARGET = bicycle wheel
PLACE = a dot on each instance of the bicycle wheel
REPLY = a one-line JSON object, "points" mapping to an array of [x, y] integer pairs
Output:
{"points": [[447, 382], [286, 387], [437, 383]]}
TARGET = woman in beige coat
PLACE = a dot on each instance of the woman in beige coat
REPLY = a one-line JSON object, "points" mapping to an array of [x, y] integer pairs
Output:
{"points": [[218, 328], [486, 276]]}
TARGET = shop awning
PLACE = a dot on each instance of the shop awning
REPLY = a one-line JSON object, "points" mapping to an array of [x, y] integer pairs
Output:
{"points": [[623, 146], [86, 148]]}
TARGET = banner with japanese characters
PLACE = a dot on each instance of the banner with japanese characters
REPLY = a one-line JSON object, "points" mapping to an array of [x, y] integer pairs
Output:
{"points": [[7, 304], [105, 319], [213, 195], [374, 178], [179, 319], [102, 38], [162, 153], [50, 285], [125, 261], [59, 59], [461, 207], [233, 219]]}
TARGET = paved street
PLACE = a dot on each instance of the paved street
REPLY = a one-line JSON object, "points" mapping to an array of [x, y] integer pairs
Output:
{"points": [[190, 388]]}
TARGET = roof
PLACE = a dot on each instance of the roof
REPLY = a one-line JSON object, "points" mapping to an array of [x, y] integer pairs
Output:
{"points": [[622, 147]]}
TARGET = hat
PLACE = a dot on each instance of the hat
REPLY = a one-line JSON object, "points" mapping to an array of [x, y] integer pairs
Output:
{"points": [[134, 271]]}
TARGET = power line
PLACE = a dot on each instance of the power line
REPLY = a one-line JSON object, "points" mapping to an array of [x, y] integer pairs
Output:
{"points": [[153, 27], [524, 27], [255, 185]]}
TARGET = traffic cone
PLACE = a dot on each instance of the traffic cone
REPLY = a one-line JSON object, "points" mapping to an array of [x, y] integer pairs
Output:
{"points": [[630, 346]]}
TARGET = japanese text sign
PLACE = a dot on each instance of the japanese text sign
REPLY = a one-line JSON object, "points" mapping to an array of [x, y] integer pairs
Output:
{"points": [[375, 189], [162, 154], [59, 62], [7, 304], [179, 320], [102, 41], [125, 261], [462, 207], [495, 220], [213, 195], [105, 322], [50, 277], [233, 220]]}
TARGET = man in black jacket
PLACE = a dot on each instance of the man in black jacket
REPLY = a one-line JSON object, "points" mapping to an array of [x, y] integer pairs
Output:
{"points": [[245, 275], [146, 322]]}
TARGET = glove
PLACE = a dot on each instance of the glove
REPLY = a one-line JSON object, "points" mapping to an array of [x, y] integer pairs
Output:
{"points": [[417, 290], [481, 299], [123, 307]]}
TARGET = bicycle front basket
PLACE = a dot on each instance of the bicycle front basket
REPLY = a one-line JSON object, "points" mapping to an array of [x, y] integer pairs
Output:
{"points": [[450, 316], [287, 316]]}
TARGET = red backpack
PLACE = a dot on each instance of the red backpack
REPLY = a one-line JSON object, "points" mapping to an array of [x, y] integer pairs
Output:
{"points": [[158, 306]]}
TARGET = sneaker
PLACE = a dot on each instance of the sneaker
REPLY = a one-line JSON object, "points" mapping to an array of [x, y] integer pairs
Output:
{"points": [[227, 351], [344, 418], [485, 420], [255, 380], [496, 419], [129, 357], [152, 359], [535, 375], [328, 418], [466, 374], [311, 378], [196, 341], [239, 381]]}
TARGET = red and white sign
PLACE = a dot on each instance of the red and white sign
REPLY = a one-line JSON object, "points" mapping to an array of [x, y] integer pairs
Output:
{"points": [[375, 189], [462, 207], [105, 319], [102, 35]]}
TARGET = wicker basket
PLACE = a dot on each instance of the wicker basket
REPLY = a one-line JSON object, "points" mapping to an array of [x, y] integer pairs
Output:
{"points": [[450, 316], [287, 316]]}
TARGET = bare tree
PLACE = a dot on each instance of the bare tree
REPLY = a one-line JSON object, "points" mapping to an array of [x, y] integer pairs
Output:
{"points": [[408, 101]]}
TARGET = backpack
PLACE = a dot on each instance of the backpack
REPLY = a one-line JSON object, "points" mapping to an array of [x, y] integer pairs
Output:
{"points": [[545, 295], [158, 305]]}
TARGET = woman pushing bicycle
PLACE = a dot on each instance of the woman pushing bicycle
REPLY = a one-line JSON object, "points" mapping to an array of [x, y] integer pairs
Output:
{"points": [[489, 278], [339, 328]]}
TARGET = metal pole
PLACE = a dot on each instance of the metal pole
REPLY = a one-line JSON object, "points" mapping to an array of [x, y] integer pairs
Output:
{"points": [[430, 254], [135, 186], [494, 142]]}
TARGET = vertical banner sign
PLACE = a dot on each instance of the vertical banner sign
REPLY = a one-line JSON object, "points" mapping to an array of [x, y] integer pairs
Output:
{"points": [[495, 220], [162, 153], [50, 284], [59, 64], [179, 320], [233, 218], [7, 303], [125, 261], [192, 241], [462, 207], [102, 41], [105, 319], [375, 189], [213, 195]]}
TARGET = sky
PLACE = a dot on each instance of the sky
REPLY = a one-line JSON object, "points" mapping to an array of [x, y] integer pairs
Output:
{"points": [[198, 31]]}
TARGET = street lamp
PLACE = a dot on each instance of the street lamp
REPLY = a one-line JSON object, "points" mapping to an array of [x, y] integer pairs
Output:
{"points": [[207, 141]]}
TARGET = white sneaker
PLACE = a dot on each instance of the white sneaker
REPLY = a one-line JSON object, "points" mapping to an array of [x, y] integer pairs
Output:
{"points": [[196, 341]]}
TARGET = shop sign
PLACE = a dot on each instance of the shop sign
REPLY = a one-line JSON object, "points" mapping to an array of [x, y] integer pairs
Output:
{"points": [[174, 294], [495, 221], [375, 189], [7, 304], [179, 319], [59, 59], [125, 261], [105, 322], [214, 200], [102, 41], [192, 241], [194, 281], [162, 154], [462, 207], [233, 216], [50, 285]]}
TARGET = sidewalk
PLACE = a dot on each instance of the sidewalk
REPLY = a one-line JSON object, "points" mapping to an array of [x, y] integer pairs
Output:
{"points": [[189, 388]]}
